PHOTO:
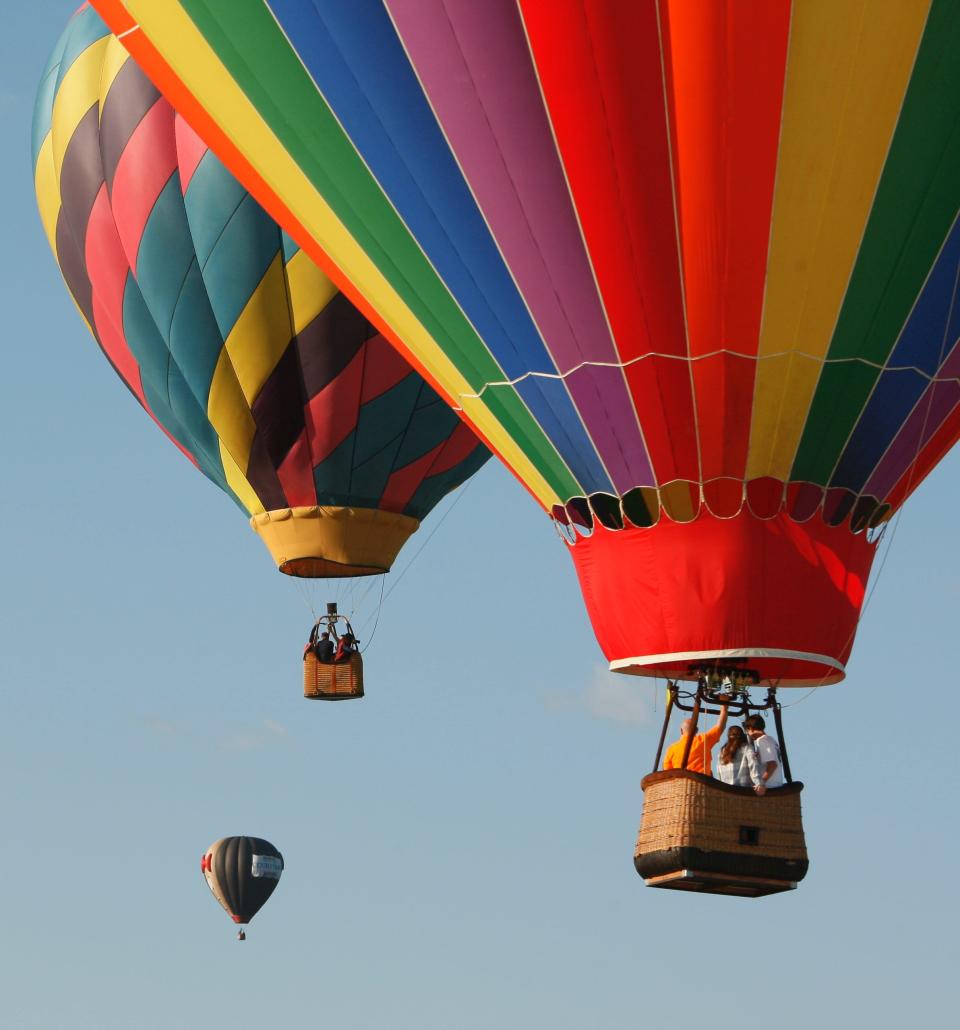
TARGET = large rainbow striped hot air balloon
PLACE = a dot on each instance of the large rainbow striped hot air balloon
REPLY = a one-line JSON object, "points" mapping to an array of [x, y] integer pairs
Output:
{"points": [[689, 268], [231, 338]]}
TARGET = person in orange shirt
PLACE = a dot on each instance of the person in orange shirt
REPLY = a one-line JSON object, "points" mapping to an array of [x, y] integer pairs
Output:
{"points": [[701, 748]]}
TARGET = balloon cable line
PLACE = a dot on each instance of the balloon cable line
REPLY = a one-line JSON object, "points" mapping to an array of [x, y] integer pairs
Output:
{"points": [[376, 622], [441, 521], [351, 590], [863, 609], [384, 598], [304, 591], [348, 590]]}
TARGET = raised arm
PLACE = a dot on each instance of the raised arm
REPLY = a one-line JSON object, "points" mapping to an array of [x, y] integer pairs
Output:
{"points": [[713, 734]]}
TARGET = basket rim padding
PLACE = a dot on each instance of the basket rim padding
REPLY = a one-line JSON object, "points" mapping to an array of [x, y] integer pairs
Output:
{"points": [[663, 775]]}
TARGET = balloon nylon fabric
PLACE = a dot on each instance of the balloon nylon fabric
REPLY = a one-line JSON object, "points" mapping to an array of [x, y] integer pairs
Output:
{"points": [[244, 352], [784, 596], [677, 263], [242, 873], [684, 304]]}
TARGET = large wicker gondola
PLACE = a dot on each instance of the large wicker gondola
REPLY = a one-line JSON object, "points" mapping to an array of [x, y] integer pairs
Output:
{"points": [[332, 681], [698, 834]]}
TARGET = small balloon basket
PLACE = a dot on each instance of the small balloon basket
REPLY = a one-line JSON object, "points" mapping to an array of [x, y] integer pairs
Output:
{"points": [[332, 681], [698, 834]]}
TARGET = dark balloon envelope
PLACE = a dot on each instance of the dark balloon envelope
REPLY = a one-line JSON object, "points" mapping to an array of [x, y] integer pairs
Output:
{"points": [[242, 873], [226, 332]]}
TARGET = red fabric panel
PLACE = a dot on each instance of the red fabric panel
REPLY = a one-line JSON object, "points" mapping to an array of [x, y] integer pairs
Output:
{"points": [[723, 385], [724, 497], [725, 66], [108, 270], [404, 482], [384, 368], [296, 474], [725, 72], [144, 168], [721, 584], [455, 449], [663, 394], [765, 496], [600, 70], [331, 415], [190, 151]]}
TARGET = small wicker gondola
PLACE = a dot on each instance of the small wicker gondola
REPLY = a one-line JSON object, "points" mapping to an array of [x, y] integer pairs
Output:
{"points": [[332, 681], [698, 834]]}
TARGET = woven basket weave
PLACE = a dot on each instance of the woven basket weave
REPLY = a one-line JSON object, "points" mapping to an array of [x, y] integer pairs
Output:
{"points": [[332, 681], [691, 820]]}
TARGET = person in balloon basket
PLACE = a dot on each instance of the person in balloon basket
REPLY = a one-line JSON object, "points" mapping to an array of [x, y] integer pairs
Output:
{"points": [[701, 747], [324, 649], [768, 754], [737, 763], [321, 646], [346, 648]]}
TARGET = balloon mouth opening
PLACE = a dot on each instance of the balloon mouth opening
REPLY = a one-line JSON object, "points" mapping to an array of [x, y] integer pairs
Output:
{"points": [[330, 542], [325, 568], [783, 667]]}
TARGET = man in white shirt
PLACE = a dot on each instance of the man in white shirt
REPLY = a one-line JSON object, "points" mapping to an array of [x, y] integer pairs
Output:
{"points": [[768, 752]]}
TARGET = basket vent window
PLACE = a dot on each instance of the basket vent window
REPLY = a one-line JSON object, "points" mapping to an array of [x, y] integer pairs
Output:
{"points": [[749, 834]]}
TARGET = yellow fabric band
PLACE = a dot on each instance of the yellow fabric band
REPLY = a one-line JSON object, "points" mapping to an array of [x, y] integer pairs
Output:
{"points": [[325, 542]]}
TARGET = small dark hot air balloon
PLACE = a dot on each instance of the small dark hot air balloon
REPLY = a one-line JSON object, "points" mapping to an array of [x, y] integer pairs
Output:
{"points": [[242, 873]]}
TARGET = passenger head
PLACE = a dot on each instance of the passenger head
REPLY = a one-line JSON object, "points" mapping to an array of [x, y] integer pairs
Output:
{"points": [[754, 726], [324, 636], [686, 726], [735, 741]]}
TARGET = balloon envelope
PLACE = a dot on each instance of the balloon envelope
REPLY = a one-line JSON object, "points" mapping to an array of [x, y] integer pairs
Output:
{"points": [[242, 873], [226, 332], [690, 269]]}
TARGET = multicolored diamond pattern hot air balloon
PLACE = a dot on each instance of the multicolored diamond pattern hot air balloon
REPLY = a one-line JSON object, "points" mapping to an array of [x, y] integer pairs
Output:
{"points": [[227, 333], [689, 268]]}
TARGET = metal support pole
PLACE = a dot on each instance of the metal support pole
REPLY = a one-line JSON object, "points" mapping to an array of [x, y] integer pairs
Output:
{"points": [[783, 744], [693, 729], [672, 693]]}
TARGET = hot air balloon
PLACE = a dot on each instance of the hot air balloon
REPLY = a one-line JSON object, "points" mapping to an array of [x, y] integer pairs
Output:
{"points": [[689, 269], [242, 873], [231, 338]]}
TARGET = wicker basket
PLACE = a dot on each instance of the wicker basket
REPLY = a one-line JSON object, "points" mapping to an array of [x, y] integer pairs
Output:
{"points": [[700, 834], [332, 681]]}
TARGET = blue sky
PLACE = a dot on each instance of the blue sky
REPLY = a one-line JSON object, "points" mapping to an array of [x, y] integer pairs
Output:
{"points": [[459, 844]]}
